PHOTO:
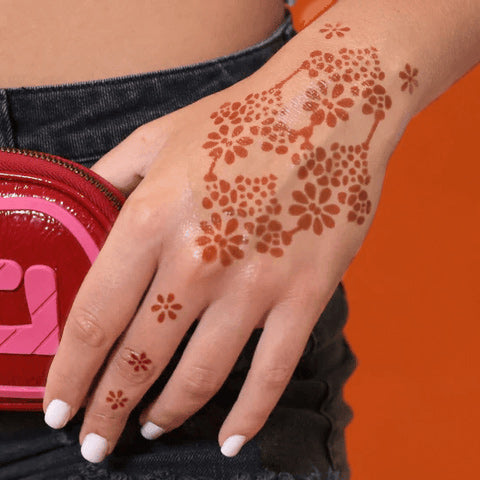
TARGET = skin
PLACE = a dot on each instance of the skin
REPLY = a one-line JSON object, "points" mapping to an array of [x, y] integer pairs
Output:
{"points": [[154, 259], [77, 40]]}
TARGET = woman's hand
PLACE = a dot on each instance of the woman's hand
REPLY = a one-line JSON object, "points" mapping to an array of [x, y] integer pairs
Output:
{"points": [[244, 210]]}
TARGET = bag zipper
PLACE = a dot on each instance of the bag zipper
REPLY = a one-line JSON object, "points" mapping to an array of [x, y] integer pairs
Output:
{"points": [[50, 158]]}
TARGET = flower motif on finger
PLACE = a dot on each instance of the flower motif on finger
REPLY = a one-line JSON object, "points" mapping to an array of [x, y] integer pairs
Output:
{"points": [[116, 399], [139, 361], [408, 75], [166, 307], [330, 30]]}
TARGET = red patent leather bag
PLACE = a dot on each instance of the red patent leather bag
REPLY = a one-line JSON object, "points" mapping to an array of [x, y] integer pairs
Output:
{"points": [[55, 215]]}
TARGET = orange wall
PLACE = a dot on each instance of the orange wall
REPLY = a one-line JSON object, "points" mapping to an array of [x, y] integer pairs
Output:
{"points": [[415, 301]]}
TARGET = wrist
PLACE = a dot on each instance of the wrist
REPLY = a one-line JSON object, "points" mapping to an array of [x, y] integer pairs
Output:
{"points": [[438, 39]]}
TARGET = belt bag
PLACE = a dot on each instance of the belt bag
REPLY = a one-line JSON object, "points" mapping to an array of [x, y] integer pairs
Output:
{"points": [[55, 216]]}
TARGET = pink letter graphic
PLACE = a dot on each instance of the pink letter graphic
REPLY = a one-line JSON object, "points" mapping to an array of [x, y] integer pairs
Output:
{"points": [[41, 337]]}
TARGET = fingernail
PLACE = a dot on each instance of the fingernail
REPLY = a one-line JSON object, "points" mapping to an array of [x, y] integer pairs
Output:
{"points": [[94, 448], [150, 431], [232, 445], [57, 414]]}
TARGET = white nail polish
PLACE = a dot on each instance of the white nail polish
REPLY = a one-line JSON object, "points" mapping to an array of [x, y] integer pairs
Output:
{"points": [[150, 431], [94, 448], [57, 414], [232, 445]]}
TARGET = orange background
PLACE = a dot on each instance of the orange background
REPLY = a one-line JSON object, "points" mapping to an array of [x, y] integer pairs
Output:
{"points": [[415, 302]]}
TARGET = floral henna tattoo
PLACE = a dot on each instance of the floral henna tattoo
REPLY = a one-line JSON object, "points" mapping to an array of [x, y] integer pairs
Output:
{"points": [[310, 205], [408, 75], [116, 399], [243, 197], [139, 361], [329, 180], [166, 307], [221, 241], [330, 30]]}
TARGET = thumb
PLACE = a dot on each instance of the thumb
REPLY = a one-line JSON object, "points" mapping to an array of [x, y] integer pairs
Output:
{"points": [[125, 165]]}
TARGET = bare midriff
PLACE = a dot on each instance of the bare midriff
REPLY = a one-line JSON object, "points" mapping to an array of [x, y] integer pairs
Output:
{"points": [[66, 41]]}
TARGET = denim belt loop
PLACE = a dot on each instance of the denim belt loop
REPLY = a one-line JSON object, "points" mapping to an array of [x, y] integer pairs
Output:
{"points": [[6, 130]]}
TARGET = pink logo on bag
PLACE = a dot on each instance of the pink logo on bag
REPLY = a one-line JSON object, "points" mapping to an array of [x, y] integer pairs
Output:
{"points": [[41, 337]]}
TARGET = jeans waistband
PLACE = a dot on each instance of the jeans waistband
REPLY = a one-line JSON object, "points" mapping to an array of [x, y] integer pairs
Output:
{"points": [[83, 120]]}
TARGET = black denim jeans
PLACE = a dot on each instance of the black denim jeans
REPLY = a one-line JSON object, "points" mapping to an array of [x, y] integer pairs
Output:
{"points": [[304, 435]]}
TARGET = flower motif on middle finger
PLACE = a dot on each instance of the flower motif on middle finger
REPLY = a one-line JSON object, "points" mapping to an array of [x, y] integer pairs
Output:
{"points": [[116, 399], [166, 306]]}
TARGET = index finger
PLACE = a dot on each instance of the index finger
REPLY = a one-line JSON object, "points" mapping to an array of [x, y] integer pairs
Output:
{"points": [[103, 307]]}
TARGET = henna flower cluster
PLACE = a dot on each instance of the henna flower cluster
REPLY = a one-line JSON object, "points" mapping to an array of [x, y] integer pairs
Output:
{"points": [[245, 197], [245, 209], [228, 143], [312, 207], [221, 241]]}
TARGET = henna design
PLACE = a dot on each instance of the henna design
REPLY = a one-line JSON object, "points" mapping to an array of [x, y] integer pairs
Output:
{"points": [[116, 399], [139, 361], [331, 30], [310, 205], [220, 243], [245, 197], [166, 306], [409, 75], [330, 180]]}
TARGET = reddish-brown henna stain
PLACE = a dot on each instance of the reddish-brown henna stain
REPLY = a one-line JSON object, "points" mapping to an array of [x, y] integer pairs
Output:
{"points": [[139, 361], [408, 75], [116, 399], [166, 306], [221, 241], [330, 30], [329, 182]]}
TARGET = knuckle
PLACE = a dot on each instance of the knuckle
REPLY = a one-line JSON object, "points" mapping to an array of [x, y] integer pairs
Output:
{"points": [[141, 213], [86, 328], [106, 416], [275, 377], [201, 381], [258, 277], [130, 368]]}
